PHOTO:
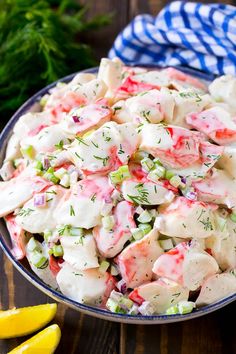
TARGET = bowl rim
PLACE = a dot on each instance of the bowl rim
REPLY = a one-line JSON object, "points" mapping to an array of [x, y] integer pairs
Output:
{"points": [[56, 295]]}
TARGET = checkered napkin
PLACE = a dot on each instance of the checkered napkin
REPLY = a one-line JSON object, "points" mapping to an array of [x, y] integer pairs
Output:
{"points": [[183, 33]]}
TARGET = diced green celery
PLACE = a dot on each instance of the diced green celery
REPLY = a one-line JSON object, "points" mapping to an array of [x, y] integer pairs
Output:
{"points": [[76, 231], [57, 251], [153, 213], [38, 165], [112, 305], [119, 175], [108, 222], [221, 222], [145, 228], [139, 210], [49, 175], [43, 100], [147, 164], [157, 162], [114, 270], [166, 244], [175, 181], [28, 152], [126, 302], [47, 234], [173, 310], [65, 181], [32, 245], [158, 172], [38, 260], [169, 175], [60, 172], [185, 307], [140, 155], [137, 233], [104, 266], [233, 217], [145, 217]]}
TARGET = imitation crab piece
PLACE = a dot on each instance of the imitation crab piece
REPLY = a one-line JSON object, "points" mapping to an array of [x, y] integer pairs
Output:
{"points": [[151, 106], [185, 102], [89, 194], [111, 242], [85, 286], [186, 218], [223, 89], [217, 287], [106, 149], [136, 260], [15, 192], [222, 245], [110, 71], [13, 148], [228, 160], [175, 146], [80, 252], [146, 192], [216, 123], [161, 293], [46, 139], [18, 236], [92, 116], [218, 187], [181, 80], [37, 214]]}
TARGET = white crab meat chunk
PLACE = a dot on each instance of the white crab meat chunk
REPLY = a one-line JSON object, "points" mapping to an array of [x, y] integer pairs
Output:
{"points": [[105, 149], [146, 193], [44, 272], [217, 287], [186, 218], [216, 123], [223, 89], [18, 236], [197, 266], [15, 192], [111, 242], [161, 293], [222, 245], [170, 264], [92, 195], [13, 148], [80, 252], [84, 286], [136, 260], [37, 218], [153, 77], [175, 146], [217, 187], [92, 116], [46, 139], [151, 106], [228, 160], [31, 123], [185, 102], [110, 71]]}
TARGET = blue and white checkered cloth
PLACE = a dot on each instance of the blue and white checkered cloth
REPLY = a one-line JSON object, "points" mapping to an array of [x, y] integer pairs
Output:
{"points": [[183, 33]]}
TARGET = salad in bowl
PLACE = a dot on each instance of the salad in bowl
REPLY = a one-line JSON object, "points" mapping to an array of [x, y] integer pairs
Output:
{"points": [[120, 190]]}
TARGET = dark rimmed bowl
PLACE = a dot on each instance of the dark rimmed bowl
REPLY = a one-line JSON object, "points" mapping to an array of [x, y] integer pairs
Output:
{"points": [[24, 269]]}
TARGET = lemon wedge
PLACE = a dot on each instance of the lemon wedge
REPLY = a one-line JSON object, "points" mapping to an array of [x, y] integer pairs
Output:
{"points": [[25, 320], [44, 342]]}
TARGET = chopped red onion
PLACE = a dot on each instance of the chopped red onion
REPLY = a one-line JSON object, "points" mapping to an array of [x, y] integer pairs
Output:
{"points": [[46, 163], [121, 285], [40, 200], [191, 195], [184, 180], [75, 119]]}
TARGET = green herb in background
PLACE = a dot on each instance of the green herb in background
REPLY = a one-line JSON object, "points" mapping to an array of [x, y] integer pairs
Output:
{"points": [[38, 44]]}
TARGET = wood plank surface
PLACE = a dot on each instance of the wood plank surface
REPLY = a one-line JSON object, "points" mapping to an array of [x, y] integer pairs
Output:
{"points": [[211, 334]]}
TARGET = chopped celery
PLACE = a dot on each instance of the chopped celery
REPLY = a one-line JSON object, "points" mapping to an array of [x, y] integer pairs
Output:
{"points": [[166, 244], [147, 164], [76, 231], [32, 245], [157, 162], [119, 175], [57, 251], [221, 222], [49, 175], [38, 165], [185, 307], [47, 234], [137, 233], [126, 302], [145, 228], [145, 217], [114, 270], [108, 222], [38, 260], [65, 180], [173, 310], [169, 175], [158, 172], [112, 305], [104, 266], [60, 172], [175, 181], [28, 152]]}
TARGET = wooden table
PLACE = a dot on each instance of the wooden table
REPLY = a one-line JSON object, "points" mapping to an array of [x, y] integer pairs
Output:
{"points": [[213, 334]]}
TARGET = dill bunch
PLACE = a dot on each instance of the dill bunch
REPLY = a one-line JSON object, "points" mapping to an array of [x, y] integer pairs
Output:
{"points": [[39, 43]]}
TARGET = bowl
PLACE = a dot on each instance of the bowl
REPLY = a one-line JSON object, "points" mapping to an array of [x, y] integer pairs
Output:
{"points": [[23, 266]]}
